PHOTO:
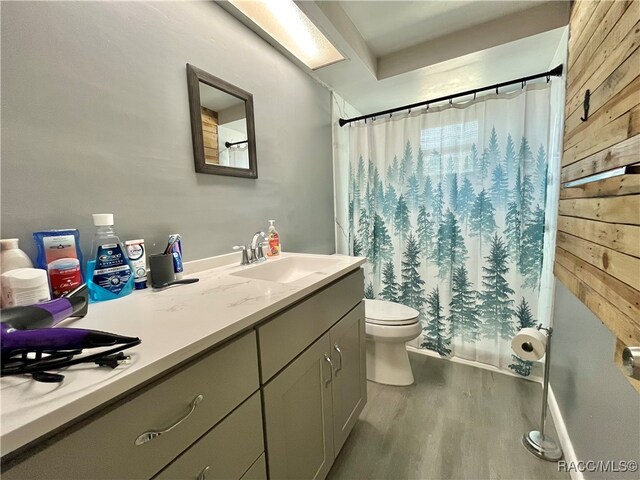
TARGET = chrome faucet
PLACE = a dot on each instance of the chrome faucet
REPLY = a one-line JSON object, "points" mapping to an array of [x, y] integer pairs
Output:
{"points": [[257, 255], [245, 255], [252, 253]]}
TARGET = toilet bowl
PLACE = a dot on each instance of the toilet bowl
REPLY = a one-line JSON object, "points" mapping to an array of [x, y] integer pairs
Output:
{"points": [[388, 327]]}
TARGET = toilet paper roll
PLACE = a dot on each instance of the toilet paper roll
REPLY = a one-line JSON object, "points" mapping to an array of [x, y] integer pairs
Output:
{"points": [[529, 344]]}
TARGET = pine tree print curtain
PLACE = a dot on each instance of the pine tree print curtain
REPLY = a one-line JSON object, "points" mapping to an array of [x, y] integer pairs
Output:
{"points": [[448, 205]]}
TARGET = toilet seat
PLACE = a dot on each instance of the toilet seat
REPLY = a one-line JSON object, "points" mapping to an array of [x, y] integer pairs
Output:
{"points": [[393, 333], [380, 312]]}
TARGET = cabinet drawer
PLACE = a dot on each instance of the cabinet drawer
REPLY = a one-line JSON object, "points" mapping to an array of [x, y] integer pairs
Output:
{"points": [[106, 447], [288, 334], [227, 451]]}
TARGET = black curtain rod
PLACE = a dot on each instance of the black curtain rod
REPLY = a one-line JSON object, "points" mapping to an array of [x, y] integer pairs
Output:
{"points": [[231, 144], [556, 72]]}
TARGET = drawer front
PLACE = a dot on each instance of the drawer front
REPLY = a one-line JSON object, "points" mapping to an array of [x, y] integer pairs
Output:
{"points": [[288, 334], [106, 448], [258, 470], [227, 451]]}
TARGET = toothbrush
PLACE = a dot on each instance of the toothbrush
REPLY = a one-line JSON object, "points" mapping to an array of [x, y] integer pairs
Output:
{"points": [[172, 239]]}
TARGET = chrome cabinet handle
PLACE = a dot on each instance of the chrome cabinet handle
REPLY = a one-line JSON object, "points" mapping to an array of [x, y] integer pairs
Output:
{"points": [[151, 434], [337, 349], [328, 359], [202, 474]]}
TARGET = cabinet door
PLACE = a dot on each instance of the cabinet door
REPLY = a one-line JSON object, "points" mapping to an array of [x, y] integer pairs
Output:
{"points": [[349, 386], [297, 408]]}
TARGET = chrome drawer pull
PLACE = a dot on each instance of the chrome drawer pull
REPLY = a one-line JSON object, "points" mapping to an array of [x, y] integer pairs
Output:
{"points": [[328, 359], [151, 434], [337, 349], [202, 474]]}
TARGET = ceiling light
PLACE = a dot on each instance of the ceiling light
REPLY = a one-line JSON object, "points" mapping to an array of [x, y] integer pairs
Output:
{"points": [[283, 21]]}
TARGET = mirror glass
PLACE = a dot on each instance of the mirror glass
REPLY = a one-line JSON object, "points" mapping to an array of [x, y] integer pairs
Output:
{"points": [[222, 127]]}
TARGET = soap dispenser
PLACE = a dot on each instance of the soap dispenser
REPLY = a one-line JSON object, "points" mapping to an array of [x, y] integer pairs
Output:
{"points": [[274, 240]]}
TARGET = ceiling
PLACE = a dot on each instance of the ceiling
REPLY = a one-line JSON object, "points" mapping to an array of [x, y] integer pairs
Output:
{"points": [[388, 26], [402, 52], [215, 99], [478, 69]]}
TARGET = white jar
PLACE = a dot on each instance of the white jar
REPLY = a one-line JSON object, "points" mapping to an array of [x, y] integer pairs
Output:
{"points": [[24, 286], [11, 257]]}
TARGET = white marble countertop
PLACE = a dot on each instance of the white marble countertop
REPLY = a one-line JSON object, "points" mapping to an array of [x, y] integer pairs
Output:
{"points": [[174, 324]]}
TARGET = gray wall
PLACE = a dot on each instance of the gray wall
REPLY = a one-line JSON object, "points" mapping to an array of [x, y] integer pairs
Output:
{"points": [[95, 119], [600, 408]]}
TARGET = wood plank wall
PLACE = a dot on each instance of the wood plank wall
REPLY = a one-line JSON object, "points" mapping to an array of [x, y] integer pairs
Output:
{"points": [[598, 242], [210, 136]]}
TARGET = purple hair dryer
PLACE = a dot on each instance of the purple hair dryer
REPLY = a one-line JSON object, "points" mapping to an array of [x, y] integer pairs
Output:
{"points": [[13, 342], [48, 314], [29, 346]]}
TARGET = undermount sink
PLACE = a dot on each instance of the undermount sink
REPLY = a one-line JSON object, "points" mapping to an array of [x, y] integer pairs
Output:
{"points": [[286, 270]]}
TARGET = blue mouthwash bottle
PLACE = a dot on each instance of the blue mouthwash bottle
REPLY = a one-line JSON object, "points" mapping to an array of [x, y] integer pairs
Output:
{"points": [[109, 274]]}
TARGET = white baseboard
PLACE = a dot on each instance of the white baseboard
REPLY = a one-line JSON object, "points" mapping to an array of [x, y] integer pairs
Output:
{"points": [[563, 436]]}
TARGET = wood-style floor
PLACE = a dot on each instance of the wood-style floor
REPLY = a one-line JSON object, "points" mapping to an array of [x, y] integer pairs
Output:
{"points": [[455, 422]]}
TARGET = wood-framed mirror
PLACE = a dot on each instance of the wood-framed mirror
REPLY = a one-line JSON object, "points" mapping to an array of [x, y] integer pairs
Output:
{"points": [[222, 127]]}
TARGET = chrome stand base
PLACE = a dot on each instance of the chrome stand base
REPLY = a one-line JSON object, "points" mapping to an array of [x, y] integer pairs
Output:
{"points": [[542, 446]]}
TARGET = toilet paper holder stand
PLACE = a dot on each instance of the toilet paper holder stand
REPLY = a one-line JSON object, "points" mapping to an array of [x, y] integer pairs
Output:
{"points": [[536, 441]]}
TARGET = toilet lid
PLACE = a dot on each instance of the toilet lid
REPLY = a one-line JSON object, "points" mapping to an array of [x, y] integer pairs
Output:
{"points": [[389, 313]]}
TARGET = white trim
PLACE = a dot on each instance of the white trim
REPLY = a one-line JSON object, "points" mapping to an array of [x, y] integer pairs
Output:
{"points": [[563, 436], [334, 158], [484, 366]]}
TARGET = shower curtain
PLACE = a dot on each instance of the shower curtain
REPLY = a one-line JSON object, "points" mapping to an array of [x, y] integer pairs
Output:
{"points": [[448, 205]]}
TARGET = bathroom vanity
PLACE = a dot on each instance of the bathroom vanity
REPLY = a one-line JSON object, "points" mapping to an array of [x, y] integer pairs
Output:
{"points": [[254, 372]]}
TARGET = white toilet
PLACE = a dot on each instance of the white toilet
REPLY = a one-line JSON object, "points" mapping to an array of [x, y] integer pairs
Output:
{"points": [[389, 326]]}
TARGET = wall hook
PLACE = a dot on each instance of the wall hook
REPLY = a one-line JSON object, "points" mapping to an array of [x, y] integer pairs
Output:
{"points": [[587, 96]]}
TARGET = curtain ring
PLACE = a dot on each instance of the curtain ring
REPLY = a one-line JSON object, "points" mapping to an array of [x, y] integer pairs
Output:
{"points": [[409, 112], [474, 95], [391, 115], [496, 90], [427, 106], [451, 101], [548, 78]]}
